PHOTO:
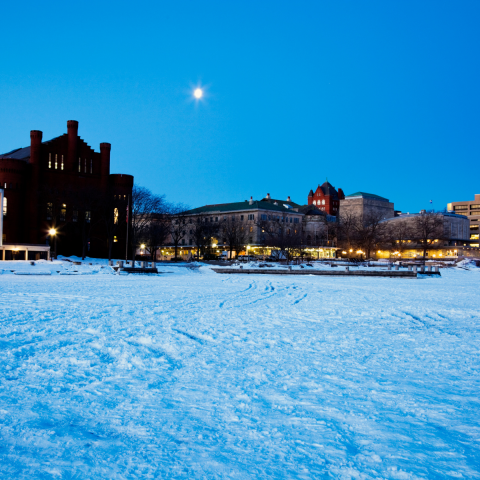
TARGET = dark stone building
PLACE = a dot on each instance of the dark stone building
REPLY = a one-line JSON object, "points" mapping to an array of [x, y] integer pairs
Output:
{"points": [[63, 184]]}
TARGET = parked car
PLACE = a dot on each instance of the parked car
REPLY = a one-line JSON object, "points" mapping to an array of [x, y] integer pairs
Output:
{"points": [[246, 258]]}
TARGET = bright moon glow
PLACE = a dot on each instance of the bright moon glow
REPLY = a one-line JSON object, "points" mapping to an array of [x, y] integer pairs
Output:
{"points": [[198, 93]]}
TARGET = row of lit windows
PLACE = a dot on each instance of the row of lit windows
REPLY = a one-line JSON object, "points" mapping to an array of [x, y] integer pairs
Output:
{"points": [[465, 207], [62, 164]]}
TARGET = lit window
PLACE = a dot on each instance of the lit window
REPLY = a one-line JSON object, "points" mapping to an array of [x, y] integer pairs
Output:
{"points": [[4, 206], [251, 229], [79, 165], [61, 165], [91, 166], [63, 213], [49, 160], [49, 211], [323, 202], [88, 216], [56, 161], [115, 216]]}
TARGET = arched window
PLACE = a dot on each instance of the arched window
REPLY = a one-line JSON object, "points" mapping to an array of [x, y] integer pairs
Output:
{"points": [[4, 206], [323, 202]]}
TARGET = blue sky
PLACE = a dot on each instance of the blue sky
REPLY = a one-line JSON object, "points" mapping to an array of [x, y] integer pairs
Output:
{"points": [[381, 97]]}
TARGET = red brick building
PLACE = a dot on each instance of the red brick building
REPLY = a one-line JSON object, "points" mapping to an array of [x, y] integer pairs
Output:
{"points": [[326, 198], [64, 184]]}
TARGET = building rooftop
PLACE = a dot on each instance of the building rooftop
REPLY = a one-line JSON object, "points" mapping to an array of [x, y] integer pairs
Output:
{"points": [[242, 206], [367, 195], [21, 153]]}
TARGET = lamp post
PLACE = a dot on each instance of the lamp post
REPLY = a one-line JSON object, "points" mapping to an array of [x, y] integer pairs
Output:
{"points": [[53, 233]]}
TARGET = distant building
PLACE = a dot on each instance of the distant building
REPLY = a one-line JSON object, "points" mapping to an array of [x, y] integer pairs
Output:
{"points": [[364, 204], [251, 215], [50, 184], [471, 209], [326, 198], [453, 242]]}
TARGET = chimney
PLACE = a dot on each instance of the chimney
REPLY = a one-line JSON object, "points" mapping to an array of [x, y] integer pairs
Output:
{"points": [[268, 196], [105, 159], [72, 129], [288, 199], [35, 142], [251, 201]]}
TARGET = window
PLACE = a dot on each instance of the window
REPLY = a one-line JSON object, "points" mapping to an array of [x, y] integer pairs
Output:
{"points": [[251, 217], [460, 207], [191, 232], [5, 206], [474, 236], [264, 217], [115, 216], [241, 218], [269, 217], [216, 219], [474, 207], [49, 160], [56, 161], [251, 229], [288, 231], [63, 213], [473, 227], [85, 165], [88, 216], [183, 241], [75, 216], [323, 202], [291, 219], [61, 165], [211, 219], [224, 218], [49, 211], [91, 166], [295, 220], [79, 165]]}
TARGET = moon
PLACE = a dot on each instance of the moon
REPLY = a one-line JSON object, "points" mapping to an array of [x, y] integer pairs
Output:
{"points": [[198, 93]]}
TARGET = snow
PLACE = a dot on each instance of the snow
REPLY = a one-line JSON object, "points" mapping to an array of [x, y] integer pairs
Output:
{"points": [[191, 374]]}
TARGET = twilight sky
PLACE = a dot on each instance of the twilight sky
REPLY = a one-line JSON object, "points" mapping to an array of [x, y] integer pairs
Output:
{"points": [[381, 97]]}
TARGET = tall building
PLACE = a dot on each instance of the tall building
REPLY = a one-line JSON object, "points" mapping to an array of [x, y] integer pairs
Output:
{"points": [[62, 184], [326, 198], [471, 209]]}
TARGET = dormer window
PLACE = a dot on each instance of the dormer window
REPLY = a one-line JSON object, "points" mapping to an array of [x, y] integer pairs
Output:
{"points": [[79, 165], [56, 161], [61, 165], [49, 160], [85, 165], [91, 166]]}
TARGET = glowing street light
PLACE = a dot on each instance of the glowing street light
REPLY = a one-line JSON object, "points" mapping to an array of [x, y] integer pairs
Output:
{"points": [[53, 233]]}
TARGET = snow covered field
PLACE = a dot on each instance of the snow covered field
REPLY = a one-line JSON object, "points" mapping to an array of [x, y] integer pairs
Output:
{"points": [[191, 374]]}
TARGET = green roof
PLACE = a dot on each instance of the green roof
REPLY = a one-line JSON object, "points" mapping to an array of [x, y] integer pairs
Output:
{"points": [[239, 206], [367, 195]]}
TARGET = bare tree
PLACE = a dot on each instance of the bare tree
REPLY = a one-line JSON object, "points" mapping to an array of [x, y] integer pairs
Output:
{"points": [[286, 238], [369, 232], [144, 206], [156, 233], [234, 234], [427, 229], [397, 235], [203, 232], [178, 225]]}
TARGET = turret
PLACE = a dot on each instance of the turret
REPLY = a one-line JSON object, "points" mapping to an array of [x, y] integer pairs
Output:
{"points": [[72, 130], [105, 159], [35, 145]]}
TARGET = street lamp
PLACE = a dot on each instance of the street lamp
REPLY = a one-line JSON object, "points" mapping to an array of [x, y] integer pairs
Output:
{"points": [[53, 233]]}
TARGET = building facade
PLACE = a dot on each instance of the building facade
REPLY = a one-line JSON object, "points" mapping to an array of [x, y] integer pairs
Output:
{"points": [[62, 185], [253, 218], [366, 204], [471, 209]]}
